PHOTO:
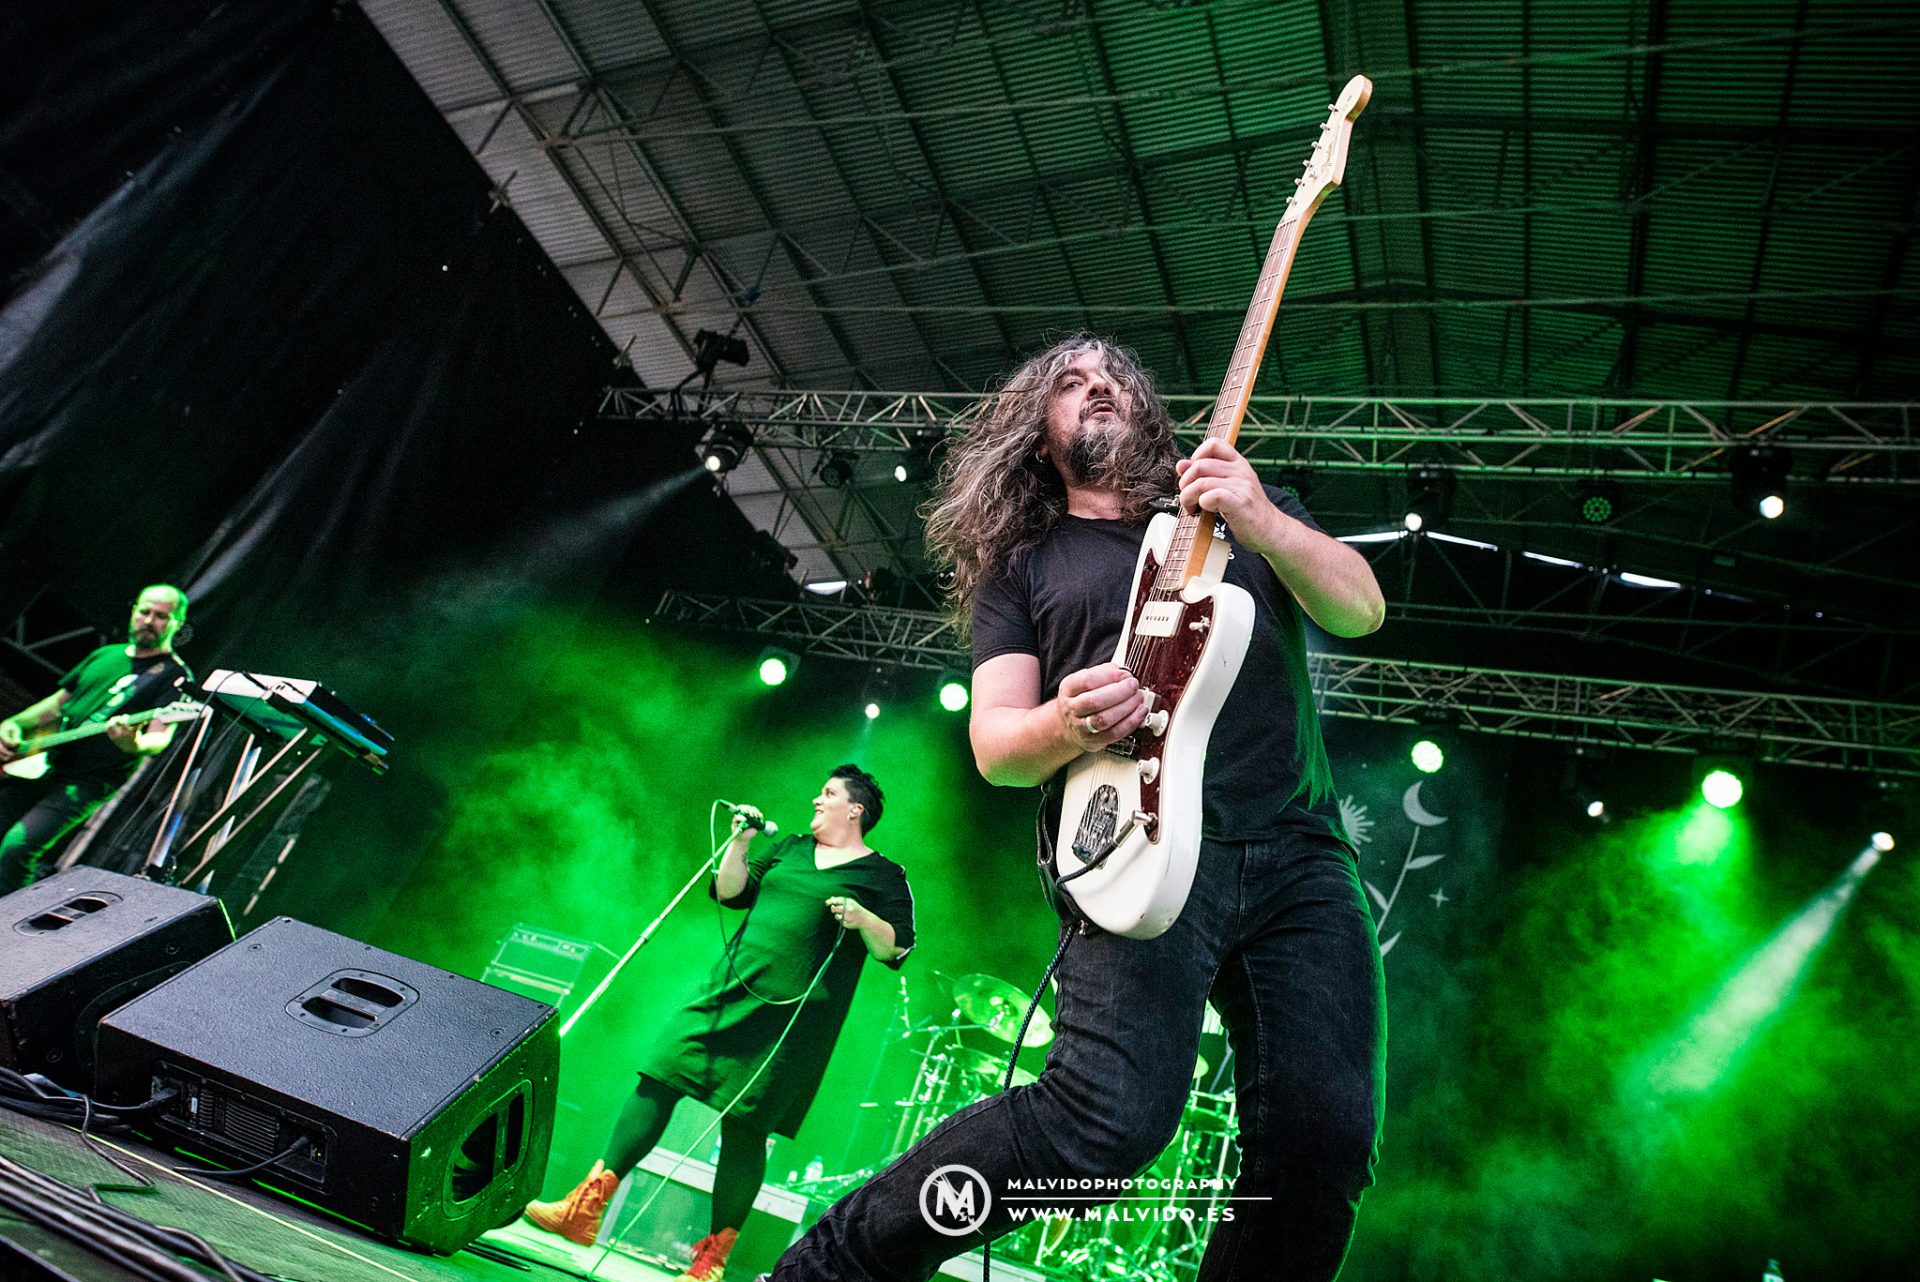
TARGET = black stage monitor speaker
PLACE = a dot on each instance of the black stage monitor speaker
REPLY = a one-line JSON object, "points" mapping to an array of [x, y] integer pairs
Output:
{"points": [[414, 1102], [78, 944]]}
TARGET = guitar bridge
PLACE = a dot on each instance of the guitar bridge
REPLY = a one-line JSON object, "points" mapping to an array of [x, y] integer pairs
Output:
{"points": [[1098, 823]]}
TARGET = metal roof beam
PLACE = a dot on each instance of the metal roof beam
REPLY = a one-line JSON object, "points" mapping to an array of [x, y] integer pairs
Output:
{"points": [[1640, 188]]}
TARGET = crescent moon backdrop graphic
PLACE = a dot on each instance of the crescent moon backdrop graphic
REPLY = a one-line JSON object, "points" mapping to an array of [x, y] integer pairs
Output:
{"points": [[1410, 802]]}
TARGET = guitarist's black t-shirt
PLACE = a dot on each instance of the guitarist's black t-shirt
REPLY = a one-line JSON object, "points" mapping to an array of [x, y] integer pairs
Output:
{"points": [[110, 683], [1064, 601]]}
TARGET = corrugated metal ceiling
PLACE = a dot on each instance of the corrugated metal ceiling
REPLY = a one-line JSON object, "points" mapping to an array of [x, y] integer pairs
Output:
{"points": [[1650, 198]]}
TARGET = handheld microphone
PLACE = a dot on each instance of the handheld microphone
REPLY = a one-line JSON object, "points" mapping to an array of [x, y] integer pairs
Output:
{"points": [[759, 823]]}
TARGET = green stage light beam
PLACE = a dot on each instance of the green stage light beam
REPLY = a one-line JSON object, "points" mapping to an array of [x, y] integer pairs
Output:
{"points": [[1707, 833], [1701, 1055]]}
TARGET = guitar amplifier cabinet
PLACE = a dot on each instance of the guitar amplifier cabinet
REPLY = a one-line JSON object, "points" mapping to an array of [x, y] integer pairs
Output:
{"points": [[414, 1102], [80, 943]]}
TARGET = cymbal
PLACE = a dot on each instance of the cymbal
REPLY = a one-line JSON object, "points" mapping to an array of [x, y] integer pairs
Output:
{"points": [[997, 1006], [991, 1068]]}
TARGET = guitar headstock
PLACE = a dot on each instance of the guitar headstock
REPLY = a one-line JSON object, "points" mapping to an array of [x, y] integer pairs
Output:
{"points": [[1328, 164]]}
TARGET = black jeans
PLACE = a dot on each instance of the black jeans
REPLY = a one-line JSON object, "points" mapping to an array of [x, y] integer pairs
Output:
{"points": [[34, 816], [1278, 933]]}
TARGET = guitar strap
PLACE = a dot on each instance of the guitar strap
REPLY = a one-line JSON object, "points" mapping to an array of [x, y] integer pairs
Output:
{"points": [[109, 707]]}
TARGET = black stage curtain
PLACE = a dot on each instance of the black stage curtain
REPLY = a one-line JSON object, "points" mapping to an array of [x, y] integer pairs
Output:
{"points": [[267, 334]]}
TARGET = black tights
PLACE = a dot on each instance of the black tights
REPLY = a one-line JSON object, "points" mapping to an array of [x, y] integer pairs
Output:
{"points": [[743, 1150]]}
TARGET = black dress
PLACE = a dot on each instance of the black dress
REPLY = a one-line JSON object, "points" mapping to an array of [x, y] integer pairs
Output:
{"points": [[713, 1048]]}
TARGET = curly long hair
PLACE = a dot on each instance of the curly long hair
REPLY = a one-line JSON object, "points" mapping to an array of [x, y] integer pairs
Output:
{"points": [[996, 495]]}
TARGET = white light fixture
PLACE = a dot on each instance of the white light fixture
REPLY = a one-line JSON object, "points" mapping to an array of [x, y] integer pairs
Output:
{"points": [[1465, 543]]}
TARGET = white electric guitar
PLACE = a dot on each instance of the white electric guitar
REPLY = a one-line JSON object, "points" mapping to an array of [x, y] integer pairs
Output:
{"points": [[30, 760], [1130, 818]]}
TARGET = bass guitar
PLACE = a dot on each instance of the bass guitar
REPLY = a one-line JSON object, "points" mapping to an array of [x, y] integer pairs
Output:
{"points": [[30, 761], [1130, 820]]}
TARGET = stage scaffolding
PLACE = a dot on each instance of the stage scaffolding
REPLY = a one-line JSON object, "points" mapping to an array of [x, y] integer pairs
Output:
{"points": [[1858, 735], [1867, 443]]}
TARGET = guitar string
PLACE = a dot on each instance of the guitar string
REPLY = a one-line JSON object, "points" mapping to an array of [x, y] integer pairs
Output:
{"points": [[1143, 651]]}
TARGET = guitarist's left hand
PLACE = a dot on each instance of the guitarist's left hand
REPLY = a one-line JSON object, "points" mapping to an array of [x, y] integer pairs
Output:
{"points": [[1219, 479]]}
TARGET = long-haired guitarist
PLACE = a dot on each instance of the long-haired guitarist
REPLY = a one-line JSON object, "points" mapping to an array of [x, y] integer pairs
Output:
{"points": [[107, 687], [1041, 512]]}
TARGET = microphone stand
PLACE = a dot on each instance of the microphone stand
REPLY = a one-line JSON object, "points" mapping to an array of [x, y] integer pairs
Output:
{"points": [[705, 870]]}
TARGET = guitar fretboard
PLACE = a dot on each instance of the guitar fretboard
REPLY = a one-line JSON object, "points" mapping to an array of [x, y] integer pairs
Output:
{"points": [[1187, 554]]}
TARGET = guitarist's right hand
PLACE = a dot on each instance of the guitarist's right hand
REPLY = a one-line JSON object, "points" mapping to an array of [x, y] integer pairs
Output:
{"points": [[1099, 706], [9, 741]]}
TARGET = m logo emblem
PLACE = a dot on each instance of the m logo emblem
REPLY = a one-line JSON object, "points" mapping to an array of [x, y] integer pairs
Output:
{"points": [[954, 1200]]}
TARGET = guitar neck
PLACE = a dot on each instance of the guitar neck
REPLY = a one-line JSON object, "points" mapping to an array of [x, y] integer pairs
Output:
{"points": [[1189, 550], [43, 742]]}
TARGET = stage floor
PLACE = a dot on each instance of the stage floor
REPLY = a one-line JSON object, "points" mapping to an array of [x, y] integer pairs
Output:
{"points": [[271, 1234]]}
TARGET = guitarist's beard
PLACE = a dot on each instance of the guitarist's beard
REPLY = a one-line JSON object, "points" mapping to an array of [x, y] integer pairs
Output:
{"points": [[1095, 458]]}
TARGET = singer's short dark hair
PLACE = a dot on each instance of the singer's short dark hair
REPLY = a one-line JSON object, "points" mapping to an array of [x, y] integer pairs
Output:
{"points": [[864, 791]]}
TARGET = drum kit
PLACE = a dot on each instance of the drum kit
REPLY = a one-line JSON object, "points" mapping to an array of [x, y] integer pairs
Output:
{"points": [[964, 1058]]}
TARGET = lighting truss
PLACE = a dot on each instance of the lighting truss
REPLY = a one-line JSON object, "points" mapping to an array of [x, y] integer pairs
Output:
{"points": [[1874, 443], [1849, 734]]}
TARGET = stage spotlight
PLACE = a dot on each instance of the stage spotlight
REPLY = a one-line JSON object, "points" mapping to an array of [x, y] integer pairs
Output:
{"points": [[766, 551], [873, 711], [1722, 789], [953, 692], [1429, 497], [709, 349], [882, 586], [836, 469], [1760, 479], [1595, 809], [775, 665], [725, 446], [1599, 502], [923, 456], [1427, 756], [1882, 841]]}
